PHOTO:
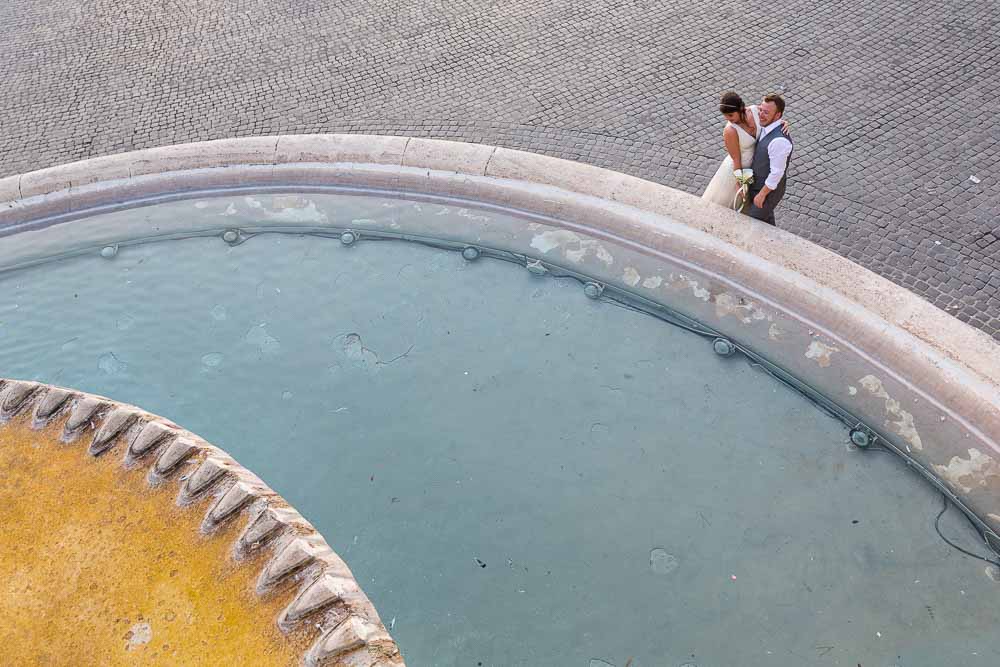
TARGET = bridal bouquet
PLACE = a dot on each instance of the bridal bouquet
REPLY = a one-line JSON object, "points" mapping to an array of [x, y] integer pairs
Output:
{"points": [[744, 177]]}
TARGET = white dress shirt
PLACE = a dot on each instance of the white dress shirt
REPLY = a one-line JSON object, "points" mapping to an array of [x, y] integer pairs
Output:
{"points": [[777, 152]]}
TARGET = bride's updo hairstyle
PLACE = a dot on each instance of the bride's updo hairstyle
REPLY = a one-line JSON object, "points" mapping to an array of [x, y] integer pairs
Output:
{"points": [[731, 103]]}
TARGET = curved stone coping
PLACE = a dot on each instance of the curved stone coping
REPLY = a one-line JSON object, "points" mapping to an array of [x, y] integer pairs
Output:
{"points": [[328, 599], [927, 383], [448, 168]]}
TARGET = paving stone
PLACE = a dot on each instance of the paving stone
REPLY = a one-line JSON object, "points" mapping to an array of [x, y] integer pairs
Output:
{"points": [[887, 106]]}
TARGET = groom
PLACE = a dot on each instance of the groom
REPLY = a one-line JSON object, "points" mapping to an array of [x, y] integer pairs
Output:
{"points": [[770, 161]]}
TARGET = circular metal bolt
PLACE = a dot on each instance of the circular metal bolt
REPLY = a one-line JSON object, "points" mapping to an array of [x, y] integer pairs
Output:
{"points": [[593, 290], [723, 347], [231, 236], [536, 267], [107, 252], [861, 438], [470, 253], [348, 237]]}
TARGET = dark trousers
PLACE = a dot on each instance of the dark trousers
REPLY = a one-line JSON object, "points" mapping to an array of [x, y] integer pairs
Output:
{"points": [[765, 214]]}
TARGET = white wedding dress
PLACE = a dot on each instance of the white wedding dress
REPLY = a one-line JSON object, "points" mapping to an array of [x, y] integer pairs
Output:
{"points": [[722, 188]]}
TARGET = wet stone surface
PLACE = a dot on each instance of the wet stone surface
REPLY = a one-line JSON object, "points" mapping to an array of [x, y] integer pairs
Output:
{"points": [[517, 474], [894, 165]]}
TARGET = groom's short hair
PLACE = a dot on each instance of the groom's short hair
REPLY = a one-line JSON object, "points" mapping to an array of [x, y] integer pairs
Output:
{"points": [[777, 100]]}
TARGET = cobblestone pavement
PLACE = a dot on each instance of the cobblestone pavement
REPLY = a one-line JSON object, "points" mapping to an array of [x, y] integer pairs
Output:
{"points": [[893, 104]]}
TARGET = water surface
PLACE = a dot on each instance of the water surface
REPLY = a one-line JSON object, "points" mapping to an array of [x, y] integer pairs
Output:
{"points": [[516, 474]]}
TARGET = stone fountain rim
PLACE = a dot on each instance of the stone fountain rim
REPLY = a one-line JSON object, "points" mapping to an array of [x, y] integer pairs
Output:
{"points": [[410, 161], [930, 356]]}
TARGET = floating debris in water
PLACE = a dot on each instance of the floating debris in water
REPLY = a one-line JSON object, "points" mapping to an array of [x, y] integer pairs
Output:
{"points": [[661, 562], [212, 359], [109, 364], [265, 343]]}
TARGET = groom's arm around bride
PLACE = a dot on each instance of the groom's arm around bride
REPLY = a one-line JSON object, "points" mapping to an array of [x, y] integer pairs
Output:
{"points": [[770, 161]]}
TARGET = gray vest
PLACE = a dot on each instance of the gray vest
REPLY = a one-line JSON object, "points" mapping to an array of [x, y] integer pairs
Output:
{"points": [[762, 168]]}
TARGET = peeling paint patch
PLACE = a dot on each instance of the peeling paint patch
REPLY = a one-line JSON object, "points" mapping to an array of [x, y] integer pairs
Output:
{"points": [[466, 213], [652, 282], [631, 276], [575, 247], [727, 304], [682, 281], [746, 311], [307, 213], [281, 202], [547, 241], [821, 353], [774, 332], [600, 252], [288, 209], [904, 426], [967, 474]]}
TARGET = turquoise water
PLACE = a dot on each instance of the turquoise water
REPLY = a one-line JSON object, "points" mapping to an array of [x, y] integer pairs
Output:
{"points": [[516, 474]]}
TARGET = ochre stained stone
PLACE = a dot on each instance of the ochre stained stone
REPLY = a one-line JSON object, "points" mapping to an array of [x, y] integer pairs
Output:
{"points": [[97, 567]]}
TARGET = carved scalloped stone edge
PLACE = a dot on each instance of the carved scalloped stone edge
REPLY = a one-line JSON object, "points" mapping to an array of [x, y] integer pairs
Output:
{"points": [[328, 598]]}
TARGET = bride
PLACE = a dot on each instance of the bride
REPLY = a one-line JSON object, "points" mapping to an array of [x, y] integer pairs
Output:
{"points": [[742, 131]]}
